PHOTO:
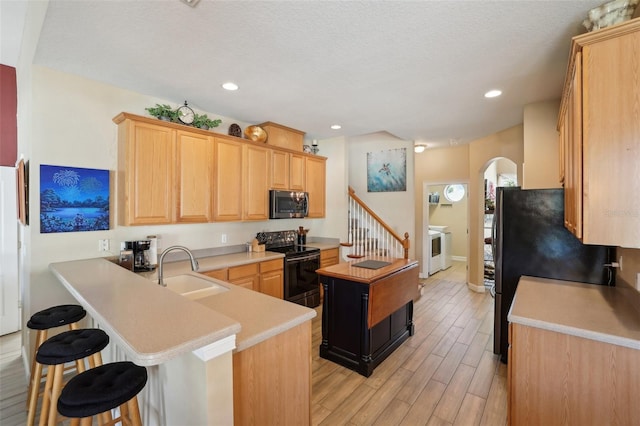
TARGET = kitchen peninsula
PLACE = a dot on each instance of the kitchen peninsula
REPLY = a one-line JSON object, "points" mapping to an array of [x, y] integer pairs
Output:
{"points": [[367, 311], [201, 353]]}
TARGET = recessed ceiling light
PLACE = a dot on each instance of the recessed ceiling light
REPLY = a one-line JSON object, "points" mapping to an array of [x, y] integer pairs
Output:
{"points": [[419, 148], [493, 93], [336, 127], [230, 86], [191, 3]]}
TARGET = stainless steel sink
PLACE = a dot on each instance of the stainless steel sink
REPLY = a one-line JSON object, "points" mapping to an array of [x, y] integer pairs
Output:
{"points": [[193, 287]]}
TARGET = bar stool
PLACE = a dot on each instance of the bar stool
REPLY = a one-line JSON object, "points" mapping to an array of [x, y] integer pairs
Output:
{"points": [[42, 321], [74, 345], [102, 389]]}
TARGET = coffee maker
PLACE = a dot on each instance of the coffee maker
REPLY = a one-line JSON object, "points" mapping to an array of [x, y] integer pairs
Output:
{"points": [[140, 250]]}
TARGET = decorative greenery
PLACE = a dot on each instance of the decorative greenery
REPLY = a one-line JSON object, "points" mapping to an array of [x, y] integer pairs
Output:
{"points": [[203, 121], [163, 111]]}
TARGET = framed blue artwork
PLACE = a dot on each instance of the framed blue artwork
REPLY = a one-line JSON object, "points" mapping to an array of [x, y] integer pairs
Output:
{"points": [[387, 170], [73, 199]]}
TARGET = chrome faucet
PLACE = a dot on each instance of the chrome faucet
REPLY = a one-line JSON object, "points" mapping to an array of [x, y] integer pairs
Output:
{"points": [[194, 262]]}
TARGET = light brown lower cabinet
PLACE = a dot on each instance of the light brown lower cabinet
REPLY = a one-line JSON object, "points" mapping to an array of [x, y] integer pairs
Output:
{"points": [[247, 276], [272, 380], [559, 379], [272, 278], [266, 277], [219, 274]]}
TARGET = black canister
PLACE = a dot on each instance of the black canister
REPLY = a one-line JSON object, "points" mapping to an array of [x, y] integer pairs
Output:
{"points": [[302, 239]]}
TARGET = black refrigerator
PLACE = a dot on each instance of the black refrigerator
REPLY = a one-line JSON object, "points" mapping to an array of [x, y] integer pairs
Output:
{"points": [[529, 238]]}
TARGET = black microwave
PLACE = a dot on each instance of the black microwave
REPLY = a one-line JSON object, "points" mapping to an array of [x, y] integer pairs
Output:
{"points": [[288, 204]]}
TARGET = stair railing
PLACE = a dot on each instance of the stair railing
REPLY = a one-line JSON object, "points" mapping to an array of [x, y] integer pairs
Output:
{"points": [[370, 235]]}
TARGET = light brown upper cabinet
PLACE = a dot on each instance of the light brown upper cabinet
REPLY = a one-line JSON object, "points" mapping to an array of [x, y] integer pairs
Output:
{"points": [[287, 170], [194, 177], [600, 136], [280, 167], [571, 152], [255, 185], [228, 180], [170, 173], [282, 136], [297, 174], [241, 184], [315, 183], [145, 172]]}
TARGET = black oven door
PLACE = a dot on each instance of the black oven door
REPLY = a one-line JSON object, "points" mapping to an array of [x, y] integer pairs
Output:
{"points": [[301, 281]]}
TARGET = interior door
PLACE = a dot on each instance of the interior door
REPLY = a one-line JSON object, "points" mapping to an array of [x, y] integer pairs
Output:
{"points": [[9, 287]]}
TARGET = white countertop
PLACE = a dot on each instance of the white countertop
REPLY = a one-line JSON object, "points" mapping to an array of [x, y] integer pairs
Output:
{"points": [[595, 312], [153, 324], [213, 262]]}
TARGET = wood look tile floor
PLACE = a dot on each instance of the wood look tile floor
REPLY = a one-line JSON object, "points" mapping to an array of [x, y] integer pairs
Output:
{"points": [[13, 382], [445, 374]]}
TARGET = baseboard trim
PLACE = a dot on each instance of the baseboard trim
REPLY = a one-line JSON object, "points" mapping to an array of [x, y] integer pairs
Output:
{"points": [[476, 288]]}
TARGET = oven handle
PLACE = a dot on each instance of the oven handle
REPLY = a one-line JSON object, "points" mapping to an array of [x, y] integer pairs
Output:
{"points": [[300, 259]]}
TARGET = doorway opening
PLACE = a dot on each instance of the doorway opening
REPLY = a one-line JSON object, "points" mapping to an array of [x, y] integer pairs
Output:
{"points": [[499, 172], [445, 224]]}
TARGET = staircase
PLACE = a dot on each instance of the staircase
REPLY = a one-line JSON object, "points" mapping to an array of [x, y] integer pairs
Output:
{"points": [[369, 235]]}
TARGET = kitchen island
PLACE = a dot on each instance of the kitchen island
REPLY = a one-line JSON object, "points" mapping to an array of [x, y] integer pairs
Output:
{"points": [[573, 354], [198, 351], [367, 312]]}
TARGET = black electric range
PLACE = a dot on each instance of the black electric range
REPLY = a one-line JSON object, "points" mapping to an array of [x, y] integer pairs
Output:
{"points": [[301, 283]]}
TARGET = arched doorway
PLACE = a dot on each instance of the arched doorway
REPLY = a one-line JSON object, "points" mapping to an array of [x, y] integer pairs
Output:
{"points": [[498, 172]]}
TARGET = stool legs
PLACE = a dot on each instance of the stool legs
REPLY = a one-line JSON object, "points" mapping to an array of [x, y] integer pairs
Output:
{"points": [[36, 375], [53, 387], [134, 411], [41, 336], [49, 385], [129, 415], [34, 389]]}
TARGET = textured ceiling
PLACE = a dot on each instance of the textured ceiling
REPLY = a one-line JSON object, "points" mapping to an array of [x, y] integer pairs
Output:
{"points": [[417, 69]]}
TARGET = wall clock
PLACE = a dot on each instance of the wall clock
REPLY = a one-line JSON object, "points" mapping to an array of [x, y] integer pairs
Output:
{"points": [[186, 114]]}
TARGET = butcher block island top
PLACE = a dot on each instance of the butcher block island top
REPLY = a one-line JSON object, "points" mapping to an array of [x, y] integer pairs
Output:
{"points": [[364, 274], [385, 295], [367, 311]]}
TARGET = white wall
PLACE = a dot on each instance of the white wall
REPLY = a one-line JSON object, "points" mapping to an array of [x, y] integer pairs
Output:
{"points": [[541, 152], [397, 209], [334, 225]]}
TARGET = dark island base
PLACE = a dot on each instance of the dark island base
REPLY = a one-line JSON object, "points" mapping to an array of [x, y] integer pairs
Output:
{"points": [[382, 340]]}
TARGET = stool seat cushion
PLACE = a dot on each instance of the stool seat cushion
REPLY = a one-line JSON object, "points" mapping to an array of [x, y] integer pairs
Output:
{"points": [[56, 316], [71, 345], [101, 389]]}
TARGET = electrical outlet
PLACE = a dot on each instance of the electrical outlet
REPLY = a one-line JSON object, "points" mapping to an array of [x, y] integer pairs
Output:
{"points": [[103, 245], [638, 281], [224, 238]]}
